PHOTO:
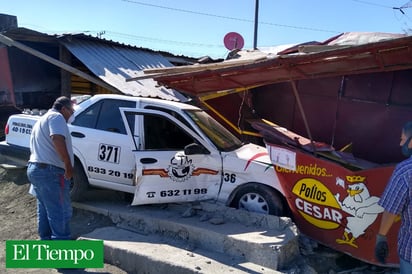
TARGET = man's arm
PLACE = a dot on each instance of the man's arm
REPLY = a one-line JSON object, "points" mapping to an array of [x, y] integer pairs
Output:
{"points": [[381, 245], [60, 146], [386, 222]]}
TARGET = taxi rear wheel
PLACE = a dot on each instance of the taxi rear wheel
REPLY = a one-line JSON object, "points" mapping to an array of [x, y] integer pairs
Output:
{"points": [[259, 198], [79, 183]]}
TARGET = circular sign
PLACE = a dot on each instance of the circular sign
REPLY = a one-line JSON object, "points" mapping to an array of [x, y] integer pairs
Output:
{"points": [[233, 40]]}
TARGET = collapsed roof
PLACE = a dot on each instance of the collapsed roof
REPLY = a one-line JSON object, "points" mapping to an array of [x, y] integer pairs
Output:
{"points": [[110, 61], [114, 64], [345, 54]]}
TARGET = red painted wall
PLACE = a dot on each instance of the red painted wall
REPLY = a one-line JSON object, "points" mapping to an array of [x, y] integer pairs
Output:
{"points": [[366, 110]]}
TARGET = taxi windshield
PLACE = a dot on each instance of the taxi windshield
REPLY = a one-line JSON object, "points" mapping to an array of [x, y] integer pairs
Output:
{"points": [[223, 139]]}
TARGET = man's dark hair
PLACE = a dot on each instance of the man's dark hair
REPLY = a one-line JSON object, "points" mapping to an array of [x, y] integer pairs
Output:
{"points": [[407, 129], [62, 101]]}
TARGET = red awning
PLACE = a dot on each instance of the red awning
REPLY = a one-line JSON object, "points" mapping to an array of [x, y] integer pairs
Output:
{"points": [[322, 61]]}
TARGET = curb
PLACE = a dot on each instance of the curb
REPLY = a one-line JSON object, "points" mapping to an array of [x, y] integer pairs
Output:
{"points": [[267, 242]]}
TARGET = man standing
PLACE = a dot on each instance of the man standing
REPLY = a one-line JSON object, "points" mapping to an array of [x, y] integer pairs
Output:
{"points": [[396, 200], [50, 169]]}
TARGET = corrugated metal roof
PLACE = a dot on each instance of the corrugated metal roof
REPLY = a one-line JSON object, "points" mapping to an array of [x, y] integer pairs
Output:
{"points": [[114, 64]]}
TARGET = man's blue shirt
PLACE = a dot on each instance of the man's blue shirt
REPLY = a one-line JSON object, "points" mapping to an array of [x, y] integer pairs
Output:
{"points": [[396, 199]]}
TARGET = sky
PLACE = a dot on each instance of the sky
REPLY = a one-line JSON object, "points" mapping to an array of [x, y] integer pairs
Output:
{"points": [[197, 28]]}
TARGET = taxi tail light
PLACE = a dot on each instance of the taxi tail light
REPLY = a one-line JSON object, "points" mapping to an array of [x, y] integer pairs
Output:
{"points": [[6, 129]]}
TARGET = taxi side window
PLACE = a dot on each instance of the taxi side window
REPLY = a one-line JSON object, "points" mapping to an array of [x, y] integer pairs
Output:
{"points": [[104, 115], [163, 134]]}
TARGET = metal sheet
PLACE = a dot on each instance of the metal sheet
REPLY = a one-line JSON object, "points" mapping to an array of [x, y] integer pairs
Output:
{"points": [[114, 64]]}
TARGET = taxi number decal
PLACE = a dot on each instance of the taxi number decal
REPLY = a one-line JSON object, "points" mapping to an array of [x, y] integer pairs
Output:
{"points": [[109, 153], [178, 192], [110, 172], [229, 177]]}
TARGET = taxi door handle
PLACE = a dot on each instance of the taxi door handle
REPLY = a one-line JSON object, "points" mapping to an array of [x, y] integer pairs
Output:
{"points": [[77, 134], [148, 160]]}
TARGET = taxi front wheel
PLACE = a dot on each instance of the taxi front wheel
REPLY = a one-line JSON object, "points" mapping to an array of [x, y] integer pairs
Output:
{"points": [[259, 198], [79, 183]]}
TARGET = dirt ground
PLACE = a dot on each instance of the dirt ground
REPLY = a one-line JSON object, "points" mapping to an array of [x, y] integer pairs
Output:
{"points": [[18, 222]]}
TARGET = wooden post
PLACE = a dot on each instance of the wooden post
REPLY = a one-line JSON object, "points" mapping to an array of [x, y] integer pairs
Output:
{"points": [[305, 121], [65, 76]]}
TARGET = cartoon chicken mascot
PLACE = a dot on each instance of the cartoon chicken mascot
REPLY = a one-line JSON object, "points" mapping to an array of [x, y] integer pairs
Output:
{"points": [[363, 208]]}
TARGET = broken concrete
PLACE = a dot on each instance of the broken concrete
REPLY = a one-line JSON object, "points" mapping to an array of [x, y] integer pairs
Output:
{"points": [[206, 230]]}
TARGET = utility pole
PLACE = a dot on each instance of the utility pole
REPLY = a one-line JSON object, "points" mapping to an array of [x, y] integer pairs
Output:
{"points": [[256, 24]]}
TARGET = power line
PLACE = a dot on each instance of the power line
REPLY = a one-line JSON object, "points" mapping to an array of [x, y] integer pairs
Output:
{"points": [[404, 6], [178, 47], [372, 4], [151, 39], [227, 17], [401, 8], [407, 5]]}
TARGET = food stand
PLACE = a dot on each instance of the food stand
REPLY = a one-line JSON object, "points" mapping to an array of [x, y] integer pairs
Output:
{"points": [[331, 193]]}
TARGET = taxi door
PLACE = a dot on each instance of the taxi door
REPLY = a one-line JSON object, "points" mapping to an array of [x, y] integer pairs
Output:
{"points": [[165, 171], [98, 136]]}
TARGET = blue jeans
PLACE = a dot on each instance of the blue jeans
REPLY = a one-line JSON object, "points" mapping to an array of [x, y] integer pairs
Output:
{"points": [[54, 209], [405, 267]]}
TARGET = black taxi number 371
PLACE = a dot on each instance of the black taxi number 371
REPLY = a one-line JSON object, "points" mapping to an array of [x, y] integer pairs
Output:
{"points": [[109, 153]]}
